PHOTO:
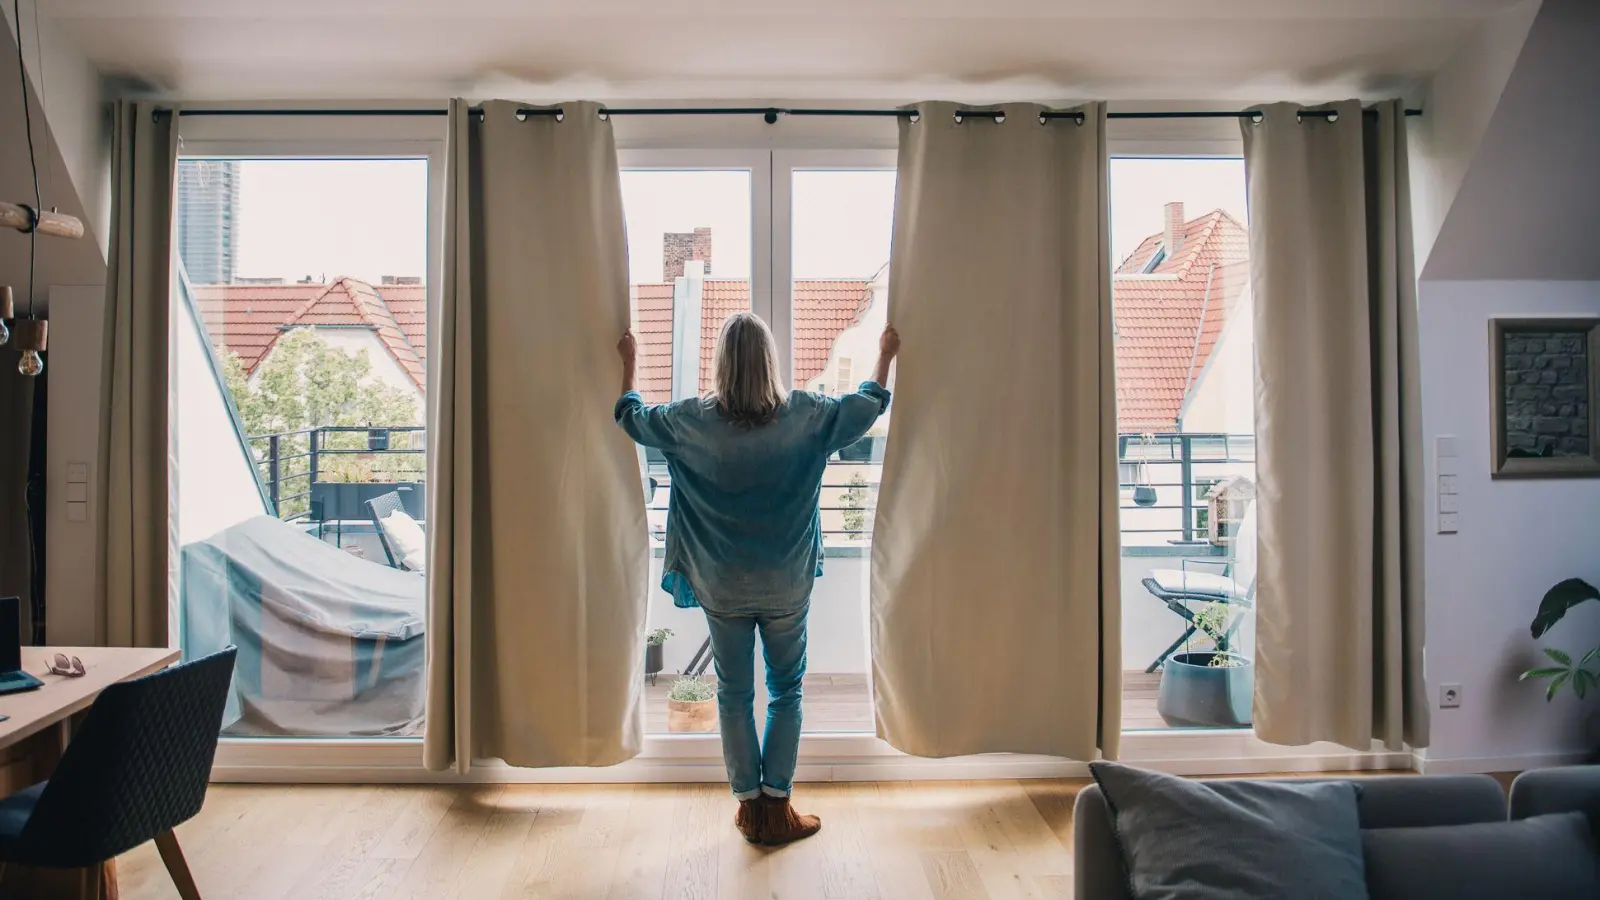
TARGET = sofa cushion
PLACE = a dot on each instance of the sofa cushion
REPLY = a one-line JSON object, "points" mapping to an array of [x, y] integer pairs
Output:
{"points": [[1193, 840], [1551, 857]]}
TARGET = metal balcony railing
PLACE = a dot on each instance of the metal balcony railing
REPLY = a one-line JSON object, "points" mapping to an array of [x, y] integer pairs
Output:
{"points": [[290, 462]]}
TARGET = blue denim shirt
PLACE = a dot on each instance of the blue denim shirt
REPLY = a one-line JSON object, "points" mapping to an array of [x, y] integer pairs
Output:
{"points": [[744, 532]]}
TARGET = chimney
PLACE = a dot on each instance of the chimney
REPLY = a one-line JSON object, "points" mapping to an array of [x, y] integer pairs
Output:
{"points": [[1172, 233], [678, 248], [702, 249]]}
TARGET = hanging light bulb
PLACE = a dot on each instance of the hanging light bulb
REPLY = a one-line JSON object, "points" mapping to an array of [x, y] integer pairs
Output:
{"points": [[32, 335], [6, 311]]}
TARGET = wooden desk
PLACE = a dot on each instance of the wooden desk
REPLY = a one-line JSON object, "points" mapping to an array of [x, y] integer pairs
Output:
{"points": [[34, 737]]}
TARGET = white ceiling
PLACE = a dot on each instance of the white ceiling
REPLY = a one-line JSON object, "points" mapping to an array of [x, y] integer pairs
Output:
{"points": [[1233, 50]]}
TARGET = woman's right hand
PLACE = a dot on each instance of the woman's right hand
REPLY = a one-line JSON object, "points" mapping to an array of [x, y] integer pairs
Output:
{"points": [[889, 342]]}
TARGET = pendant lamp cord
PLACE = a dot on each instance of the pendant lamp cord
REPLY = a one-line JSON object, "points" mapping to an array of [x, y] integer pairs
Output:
{"points": [[27, 127]]}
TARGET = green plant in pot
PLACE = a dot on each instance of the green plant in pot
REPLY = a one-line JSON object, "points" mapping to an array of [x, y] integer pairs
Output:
{"points": [[653, 652], [1552, 609], [1210, 687], [692, 705]]}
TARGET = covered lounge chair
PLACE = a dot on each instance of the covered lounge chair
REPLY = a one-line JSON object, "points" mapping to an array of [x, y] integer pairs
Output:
{"points": [[1229, 582]]}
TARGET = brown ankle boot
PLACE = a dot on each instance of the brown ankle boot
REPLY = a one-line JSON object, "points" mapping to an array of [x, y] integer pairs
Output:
{"points": [[749, 819], [782, 825]]}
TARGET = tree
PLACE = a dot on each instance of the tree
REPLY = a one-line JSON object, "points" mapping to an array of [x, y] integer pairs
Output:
{"points": [[305, 383], [855, 506]]}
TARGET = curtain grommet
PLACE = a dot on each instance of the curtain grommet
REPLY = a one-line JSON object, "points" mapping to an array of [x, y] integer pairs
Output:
{"points": [[1079, 119], [1333, 117], [561, 116], [999, 117], [603, 114], [1257, 118], [521, 116], [1043, 120], [915, 117], [958, 118], [1299, 119]]}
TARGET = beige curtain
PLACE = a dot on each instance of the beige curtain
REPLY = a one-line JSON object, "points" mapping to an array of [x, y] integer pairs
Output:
{"points": [[1338, 439], [539, 555], [133, 442], [995, 609]]}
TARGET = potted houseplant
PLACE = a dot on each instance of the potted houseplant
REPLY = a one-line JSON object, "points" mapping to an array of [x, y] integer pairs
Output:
{"points": [[1583, 674], [653, 643], [692, 705], [1207, 688], [1553, 609], [1144, 493]]}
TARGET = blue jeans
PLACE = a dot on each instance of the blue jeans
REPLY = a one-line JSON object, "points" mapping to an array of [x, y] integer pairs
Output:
{"points": [[767, 767]]}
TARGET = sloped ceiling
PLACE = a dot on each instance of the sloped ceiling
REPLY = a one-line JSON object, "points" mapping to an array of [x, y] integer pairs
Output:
{"points": [[1529, 205], [59, 261], [844, 49]]}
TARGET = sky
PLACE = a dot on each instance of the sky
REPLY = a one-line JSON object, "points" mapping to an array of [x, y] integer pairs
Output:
{"points": [[361, 217], [368, 218]]}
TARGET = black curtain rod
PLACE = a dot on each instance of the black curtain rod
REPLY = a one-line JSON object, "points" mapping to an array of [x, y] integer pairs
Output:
{"points": [[770, 113]]}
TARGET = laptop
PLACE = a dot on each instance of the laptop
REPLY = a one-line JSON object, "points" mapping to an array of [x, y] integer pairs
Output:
{"points": [[12, 678]]}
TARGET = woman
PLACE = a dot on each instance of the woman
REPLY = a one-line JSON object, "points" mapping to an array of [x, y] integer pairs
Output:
{"points": [[744, 540]]}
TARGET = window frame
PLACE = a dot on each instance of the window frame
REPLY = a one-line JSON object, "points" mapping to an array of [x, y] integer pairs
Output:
{"points": [[772, 153]]}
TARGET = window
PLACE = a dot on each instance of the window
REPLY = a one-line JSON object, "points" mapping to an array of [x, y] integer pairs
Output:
{"points": [[841, 215], [1184, 350], [297, 434], [690, 250]]}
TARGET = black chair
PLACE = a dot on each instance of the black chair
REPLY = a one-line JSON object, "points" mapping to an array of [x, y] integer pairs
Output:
{"points": [[137, 768]]}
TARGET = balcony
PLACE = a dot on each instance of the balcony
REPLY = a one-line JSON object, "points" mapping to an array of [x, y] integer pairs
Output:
{"points": [[1169, 513]]}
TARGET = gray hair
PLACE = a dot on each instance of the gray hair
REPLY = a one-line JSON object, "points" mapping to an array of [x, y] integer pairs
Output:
{"points": [[749, 389]]}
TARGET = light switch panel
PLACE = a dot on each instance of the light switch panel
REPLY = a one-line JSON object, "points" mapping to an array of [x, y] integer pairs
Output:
{"points": [[1448, 465], [1449, 503], [77, 512], [1449, 522], [1446, 445], [1449, 484], [77, 492], [77, 473]]}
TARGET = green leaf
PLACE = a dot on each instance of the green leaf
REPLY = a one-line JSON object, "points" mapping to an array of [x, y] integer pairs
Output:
{"points": [[1581, 680], [1541, 673], [1555, 685], [1559, 656], [1558, 600], [1590, 657]]}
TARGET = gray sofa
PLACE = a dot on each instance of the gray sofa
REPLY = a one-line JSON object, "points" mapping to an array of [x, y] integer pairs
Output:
{"points": [[1393, 801]]}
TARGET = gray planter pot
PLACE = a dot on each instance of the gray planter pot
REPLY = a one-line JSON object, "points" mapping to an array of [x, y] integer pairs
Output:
{"points": [[652, 660], [1194, 694]]}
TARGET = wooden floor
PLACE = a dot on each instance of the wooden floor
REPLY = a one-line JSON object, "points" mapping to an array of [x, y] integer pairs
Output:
{"points": [[991, 840], [835, 703]]}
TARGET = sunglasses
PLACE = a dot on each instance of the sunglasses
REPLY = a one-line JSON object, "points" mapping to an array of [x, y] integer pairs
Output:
{"points": [[72, 668]]}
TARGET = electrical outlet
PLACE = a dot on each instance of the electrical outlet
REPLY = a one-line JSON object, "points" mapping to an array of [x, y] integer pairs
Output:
{"points": [[1449, 696]]}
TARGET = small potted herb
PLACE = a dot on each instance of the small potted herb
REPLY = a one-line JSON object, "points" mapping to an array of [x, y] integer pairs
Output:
{"points": [[692, 705], [653, 653], [1208, 688]]}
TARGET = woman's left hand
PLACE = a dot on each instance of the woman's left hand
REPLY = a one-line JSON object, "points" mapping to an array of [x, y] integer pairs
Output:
{"points": [[628, 347]]}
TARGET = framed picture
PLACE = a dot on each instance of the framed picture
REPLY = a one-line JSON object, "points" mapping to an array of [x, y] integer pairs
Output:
{"points": [[1544, 377]]}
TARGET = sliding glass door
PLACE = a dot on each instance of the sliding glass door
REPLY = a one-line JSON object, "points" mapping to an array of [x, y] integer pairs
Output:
{"points": [[298, 444]]}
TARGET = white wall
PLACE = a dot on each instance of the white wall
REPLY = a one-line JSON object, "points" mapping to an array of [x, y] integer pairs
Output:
{"points": [[211, 472], [72, 548], [1223, 402], [75, 108], [1517, 538], [1526, 208], [1458, 102]]}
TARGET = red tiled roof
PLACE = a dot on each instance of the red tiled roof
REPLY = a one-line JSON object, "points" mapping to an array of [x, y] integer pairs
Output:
{"points": [[247, 318], [822, 311], [1169, 320]]}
